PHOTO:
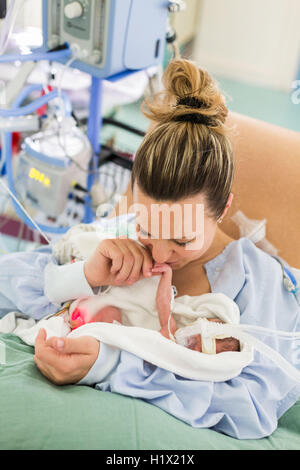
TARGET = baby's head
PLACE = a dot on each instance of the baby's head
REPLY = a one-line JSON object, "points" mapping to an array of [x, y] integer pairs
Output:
{"points": [[194, 342]]}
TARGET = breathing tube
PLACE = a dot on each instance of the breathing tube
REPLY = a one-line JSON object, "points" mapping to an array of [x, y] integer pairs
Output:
{"points": [[209, 330]]}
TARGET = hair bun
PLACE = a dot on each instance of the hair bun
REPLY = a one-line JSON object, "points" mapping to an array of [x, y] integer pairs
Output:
{"points": [[189, 94], [191, 102]]}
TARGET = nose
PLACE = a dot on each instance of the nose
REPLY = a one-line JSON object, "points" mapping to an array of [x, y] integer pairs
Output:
{"points": [[160, 250]]}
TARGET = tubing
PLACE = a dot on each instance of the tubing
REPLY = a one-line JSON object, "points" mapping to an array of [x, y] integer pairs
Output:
{"points": [[37, 56], [31, 107]]}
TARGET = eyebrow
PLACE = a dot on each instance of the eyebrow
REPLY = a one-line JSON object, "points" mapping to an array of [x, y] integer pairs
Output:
{"points": [[171, 239]]}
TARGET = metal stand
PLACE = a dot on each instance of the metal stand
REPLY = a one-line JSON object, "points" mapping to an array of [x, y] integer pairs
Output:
{"points": [[93, 132]]}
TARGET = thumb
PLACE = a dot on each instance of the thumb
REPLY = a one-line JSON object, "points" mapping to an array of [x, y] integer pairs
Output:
{"points": [[41, 337], [73, 345]]}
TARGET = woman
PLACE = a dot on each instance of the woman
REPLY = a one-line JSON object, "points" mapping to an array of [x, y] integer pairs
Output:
{"points": [[185, 160], [191, 136]]}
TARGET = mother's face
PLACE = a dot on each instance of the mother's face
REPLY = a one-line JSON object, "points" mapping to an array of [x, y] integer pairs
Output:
{"points": [[175, 233]]}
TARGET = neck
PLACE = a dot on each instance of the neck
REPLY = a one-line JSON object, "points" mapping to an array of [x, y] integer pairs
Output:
{"points": [[219, 242]]}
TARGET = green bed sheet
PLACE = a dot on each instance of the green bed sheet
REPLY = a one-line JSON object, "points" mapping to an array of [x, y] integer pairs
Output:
{"points": [[36, 414]]}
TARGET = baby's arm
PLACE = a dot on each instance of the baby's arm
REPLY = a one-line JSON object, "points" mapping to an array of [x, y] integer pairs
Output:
{"points": [[163, 299], [86, 312]]}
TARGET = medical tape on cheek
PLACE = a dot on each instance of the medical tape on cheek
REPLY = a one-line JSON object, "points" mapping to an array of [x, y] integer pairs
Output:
{"points": [[201, 326], [208, 345], [208, 340]]}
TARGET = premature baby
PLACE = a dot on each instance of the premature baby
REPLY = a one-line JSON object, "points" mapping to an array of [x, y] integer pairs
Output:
{"points": [[110, 314]]}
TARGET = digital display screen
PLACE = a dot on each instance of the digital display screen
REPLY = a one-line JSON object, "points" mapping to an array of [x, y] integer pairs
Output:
{"points": [[39, 176]]}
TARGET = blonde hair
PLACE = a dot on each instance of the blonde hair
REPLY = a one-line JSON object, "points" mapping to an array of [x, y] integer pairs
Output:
{"points": [[188, 152]]}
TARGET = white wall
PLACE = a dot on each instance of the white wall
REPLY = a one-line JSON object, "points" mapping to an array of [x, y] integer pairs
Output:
{"points": [[186, 21], [256, 41]]}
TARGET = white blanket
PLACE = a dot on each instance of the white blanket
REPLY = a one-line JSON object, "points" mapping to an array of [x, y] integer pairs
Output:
{"points": [[139, 332]]}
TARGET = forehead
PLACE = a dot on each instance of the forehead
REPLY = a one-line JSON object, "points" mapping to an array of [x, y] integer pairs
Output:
{"points": [[169, 219]]}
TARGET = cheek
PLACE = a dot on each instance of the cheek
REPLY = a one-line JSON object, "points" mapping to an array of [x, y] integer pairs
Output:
{"points": [[199, 247]]}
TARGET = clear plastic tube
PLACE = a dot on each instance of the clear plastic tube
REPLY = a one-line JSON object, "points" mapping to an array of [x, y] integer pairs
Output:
{"points": [[36, 56], [31, 107], [9, 23], [19, 124]]}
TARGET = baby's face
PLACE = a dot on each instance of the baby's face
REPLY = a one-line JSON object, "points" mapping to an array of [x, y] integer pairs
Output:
{"points": [[222, 345]]}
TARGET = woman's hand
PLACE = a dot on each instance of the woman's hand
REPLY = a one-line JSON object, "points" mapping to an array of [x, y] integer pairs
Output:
{"points": [[118, 261], [65, 360]]}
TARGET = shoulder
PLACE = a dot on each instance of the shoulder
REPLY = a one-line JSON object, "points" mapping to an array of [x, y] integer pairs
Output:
{"points": [[240, 251], [241, 262]]}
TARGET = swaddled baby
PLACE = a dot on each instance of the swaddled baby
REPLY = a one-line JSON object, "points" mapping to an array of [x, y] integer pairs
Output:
{"points": [[85, 311]]}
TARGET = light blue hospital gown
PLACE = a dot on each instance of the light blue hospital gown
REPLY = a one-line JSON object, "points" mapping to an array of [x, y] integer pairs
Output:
{"points": [[246, 407]]}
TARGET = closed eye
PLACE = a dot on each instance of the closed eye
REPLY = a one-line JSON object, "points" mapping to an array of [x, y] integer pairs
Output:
{"points": [[182, 243], [146, 234]]}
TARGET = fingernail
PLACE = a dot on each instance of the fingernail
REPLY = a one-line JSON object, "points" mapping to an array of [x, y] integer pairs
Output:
{"points": [[60, 343]]}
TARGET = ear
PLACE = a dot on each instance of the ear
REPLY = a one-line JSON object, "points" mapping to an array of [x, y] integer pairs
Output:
{"points": [[229, 202]]}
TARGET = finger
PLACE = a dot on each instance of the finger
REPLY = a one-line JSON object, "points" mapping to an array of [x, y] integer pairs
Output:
{"points": [[56, 343], [40, 338], [148, 263], [127, 265], [121, 257], [166, 272], [116, 260], [136, 272], [83, 345], [142, 261], [159, 269], [111, 251]]}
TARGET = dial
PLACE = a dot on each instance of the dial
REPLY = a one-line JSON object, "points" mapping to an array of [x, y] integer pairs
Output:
{"points": [[73, 10]]}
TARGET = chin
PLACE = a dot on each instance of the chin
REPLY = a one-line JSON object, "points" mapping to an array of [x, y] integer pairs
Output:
{"points": [[177, 265]]}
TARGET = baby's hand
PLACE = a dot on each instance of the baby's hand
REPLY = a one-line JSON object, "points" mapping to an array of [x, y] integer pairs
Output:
{"points": [[164, 297], [163, 268], [76, 319]]}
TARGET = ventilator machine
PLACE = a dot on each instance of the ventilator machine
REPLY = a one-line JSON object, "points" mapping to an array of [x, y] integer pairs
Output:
{"points": [[107, 39]]}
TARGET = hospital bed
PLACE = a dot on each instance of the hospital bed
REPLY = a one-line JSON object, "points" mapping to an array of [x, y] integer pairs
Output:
{"points": [[36, 414]]}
